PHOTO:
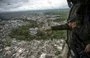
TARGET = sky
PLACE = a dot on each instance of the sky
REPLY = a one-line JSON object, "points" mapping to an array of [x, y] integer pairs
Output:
{"points": [[23, 5]]}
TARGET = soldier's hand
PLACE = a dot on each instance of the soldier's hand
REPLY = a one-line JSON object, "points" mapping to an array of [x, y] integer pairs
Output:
{"points": [[72, 24], [87, 49]]}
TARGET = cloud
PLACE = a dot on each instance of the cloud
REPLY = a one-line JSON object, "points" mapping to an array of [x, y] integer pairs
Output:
{"points": [[21, 5], [11, 3]]}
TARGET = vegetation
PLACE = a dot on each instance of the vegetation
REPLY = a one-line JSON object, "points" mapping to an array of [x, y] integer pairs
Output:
{"points": [[22, 33]]}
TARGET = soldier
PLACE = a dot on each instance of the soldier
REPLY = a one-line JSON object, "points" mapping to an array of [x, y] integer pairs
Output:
{"points": [[78, 26]]}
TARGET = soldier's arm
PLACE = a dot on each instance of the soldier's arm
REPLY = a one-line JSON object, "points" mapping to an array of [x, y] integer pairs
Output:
{"points": [[60, 27], [66, 26]]}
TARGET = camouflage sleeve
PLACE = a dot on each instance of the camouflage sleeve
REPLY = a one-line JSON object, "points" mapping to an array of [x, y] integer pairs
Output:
{"points": [[60, 27]]}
